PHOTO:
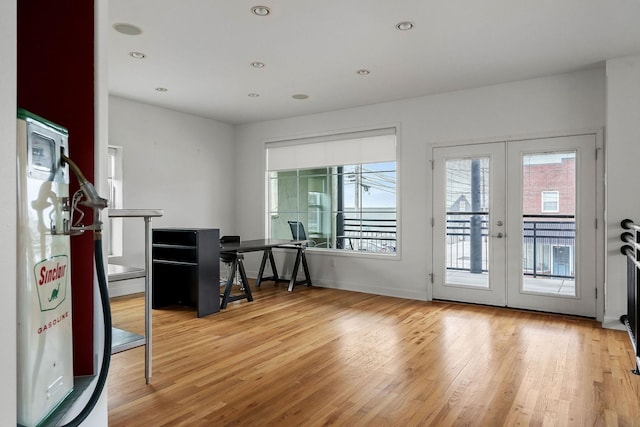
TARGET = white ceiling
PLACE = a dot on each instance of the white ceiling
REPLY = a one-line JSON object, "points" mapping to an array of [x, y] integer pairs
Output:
{"points": [[201, 50]]}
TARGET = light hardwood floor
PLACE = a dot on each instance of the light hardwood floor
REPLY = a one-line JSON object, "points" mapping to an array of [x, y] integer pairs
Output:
{"points": [[316, 357]]}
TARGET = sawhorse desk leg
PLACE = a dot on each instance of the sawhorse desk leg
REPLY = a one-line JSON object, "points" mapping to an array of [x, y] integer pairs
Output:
{"points": [[226, 296], [267, 255], [300, 258]]}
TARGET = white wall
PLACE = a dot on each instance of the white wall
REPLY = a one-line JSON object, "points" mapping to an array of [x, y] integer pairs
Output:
{"points": [[8, 42], [573, 101], [623, 173], [176, 162], [161, 147]]}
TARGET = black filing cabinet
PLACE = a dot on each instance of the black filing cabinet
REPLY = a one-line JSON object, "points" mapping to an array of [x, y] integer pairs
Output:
{"points": [[186, 268]]}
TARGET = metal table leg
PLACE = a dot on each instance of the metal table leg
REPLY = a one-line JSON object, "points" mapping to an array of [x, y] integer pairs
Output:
{"points": [[267, 255], [147, 301], [237, 264], [300, 258]]}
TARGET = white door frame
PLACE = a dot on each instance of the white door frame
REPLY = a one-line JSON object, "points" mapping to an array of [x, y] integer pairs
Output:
{"points": [[600, 199]]}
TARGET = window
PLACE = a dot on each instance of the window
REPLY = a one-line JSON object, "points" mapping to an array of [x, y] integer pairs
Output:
{"points": [[341, 188], [114, 180], [550, 201]]}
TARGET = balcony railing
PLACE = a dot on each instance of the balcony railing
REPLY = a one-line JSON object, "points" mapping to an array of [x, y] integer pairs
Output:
{"points": [[368, 235], [459, 241], [548, 244]]}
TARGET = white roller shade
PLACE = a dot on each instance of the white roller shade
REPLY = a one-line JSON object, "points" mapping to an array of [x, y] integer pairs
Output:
{"points": [[345, 149]]}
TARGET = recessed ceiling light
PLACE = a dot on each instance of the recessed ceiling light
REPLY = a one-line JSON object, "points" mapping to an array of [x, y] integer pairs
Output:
{"points": [[363, 72], [404, 26], [128, 29], [260, 10], [257, 64], [253, 95], [137, 55], [300, 96], [161, 89]]}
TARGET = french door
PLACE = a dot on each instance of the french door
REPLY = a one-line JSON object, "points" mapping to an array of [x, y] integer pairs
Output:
{"points": [[514, 224]]}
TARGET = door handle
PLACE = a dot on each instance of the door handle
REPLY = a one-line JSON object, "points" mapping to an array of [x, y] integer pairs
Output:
{"points": [[498, 236]]}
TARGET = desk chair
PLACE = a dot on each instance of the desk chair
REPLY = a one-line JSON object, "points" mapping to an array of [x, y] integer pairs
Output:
{"points": [[298, 233], [226, 258]]}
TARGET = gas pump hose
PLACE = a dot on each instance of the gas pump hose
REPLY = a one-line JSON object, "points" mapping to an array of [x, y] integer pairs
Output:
{"points": [[106, 316], [97, 203]]}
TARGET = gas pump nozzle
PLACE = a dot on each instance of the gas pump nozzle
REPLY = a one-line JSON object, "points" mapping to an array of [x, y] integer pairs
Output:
{"points": [[93, 198]]}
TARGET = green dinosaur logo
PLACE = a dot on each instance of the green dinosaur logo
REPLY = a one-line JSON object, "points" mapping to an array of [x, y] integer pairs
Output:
{"points": [[54, 293]]}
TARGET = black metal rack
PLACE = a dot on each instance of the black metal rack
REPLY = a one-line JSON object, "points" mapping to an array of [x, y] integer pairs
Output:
{"points": [[186, 268], [631, 249]]}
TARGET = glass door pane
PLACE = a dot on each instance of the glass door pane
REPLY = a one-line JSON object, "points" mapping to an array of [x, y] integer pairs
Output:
{"points": [[467, 210], [469, 223], [549, 223]]}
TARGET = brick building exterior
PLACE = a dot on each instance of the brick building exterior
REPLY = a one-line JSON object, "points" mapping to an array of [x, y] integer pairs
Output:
{"points": [[544, 183]]}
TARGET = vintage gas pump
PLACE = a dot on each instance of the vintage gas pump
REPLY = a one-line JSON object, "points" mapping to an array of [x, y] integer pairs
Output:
{"points": [[45, 223]]}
